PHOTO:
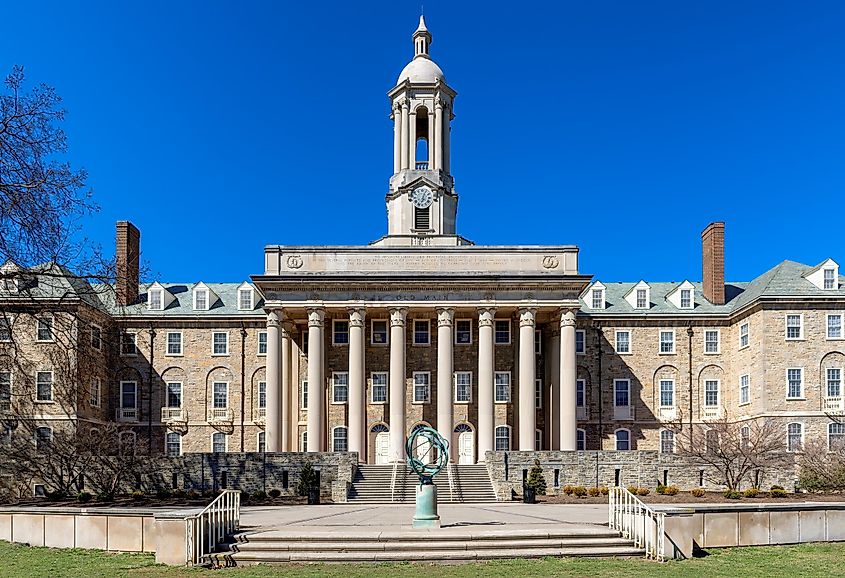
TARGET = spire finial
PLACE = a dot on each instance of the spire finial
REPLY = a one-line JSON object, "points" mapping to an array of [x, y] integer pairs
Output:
{"points": [[422, 38]]}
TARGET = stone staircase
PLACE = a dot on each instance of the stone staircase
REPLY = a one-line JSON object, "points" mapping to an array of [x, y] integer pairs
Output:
{"points": [[372, 485], [462, 545]]}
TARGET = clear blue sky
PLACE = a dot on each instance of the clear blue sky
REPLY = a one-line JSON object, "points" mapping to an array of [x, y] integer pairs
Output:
{"points": [[622, 127]]}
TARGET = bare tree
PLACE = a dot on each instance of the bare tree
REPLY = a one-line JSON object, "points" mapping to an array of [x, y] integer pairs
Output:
{"points": [[822, 468], [733, 449]]}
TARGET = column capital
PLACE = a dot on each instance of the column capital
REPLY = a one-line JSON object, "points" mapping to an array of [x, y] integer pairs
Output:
{"points": [[486, 315], [273, 318], [397, 316], [527, 316], [287, 328], [356, 316], [567, 317], [445, 316], [316, 316]]}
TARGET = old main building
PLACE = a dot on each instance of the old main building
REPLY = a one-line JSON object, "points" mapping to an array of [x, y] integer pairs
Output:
{"points": [[498, 348]]}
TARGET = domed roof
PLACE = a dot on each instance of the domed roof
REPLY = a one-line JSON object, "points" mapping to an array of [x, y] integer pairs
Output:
{"points": [[421, 69]]}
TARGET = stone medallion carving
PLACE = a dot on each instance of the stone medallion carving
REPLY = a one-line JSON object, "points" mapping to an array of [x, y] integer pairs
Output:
{"points": [[550, 262], [294, 262]]}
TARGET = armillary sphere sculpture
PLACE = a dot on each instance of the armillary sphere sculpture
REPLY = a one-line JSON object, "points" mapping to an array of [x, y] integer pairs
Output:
{"points": [[428, 454]]}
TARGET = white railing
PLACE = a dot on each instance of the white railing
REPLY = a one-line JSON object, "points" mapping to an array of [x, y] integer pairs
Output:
{"points": [[173, 414], [623, 412], [127, 414], [222, 414], [421, 165], [833, 404], [393, 481], [711, 412], [668, 413], [220, 519], [262, 415], [637, 522]]}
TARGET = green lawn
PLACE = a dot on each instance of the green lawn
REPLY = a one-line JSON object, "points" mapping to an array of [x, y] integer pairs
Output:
{"points": [[803, 560]]}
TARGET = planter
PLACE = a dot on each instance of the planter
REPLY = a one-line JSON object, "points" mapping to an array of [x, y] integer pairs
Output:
{"points": [[529, 495], [313, 496]]}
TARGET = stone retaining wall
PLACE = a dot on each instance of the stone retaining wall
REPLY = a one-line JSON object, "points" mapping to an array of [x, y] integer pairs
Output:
{"points": [[609, 468]]}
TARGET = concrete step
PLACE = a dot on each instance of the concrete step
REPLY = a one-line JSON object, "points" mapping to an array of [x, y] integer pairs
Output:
{"points": [[344, 546]]}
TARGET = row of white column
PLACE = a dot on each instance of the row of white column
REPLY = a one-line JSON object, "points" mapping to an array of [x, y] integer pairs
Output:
{"points": [[279, 394], [405, 137]]}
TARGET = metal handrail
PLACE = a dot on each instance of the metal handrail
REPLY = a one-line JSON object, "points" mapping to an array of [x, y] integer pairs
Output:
{"points": [[393, 481], [219, 519], [449, 470], [637, 522]]}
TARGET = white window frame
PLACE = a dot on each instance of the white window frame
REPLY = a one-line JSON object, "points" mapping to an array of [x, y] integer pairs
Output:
{"points": [[800, 327], [637, 298], [833, 280], [303, 441], [747, 335], [841, 326], [616, 341], [800, 447], [671, 440], [496, 387], [538, 342], [538, 393], [496, 437], [259, 352], [244, 290], [213, 396], [196, 293], [153, 294], [303, 394], [99, 329], [335, 341], [167, 351], [660, 392], [167, 437], [616, 439], [334, 438], [538, 440], [801, 394], [225, 442], [181, 394], [96, 391], [496, 341], [830, 448], [123, 343], [386, 387], [580, 445], [427, 375], [52, 385], [468, 385], [597, 294], [828, 380], [262, 395], [335, 376], [261, 443], [691, 303], [718, 333], [38, 321], [226, 343], [134, 384], [463, 320], [628, 383], [583, 335], [422, 323], [718, 383], [386, 332], [745, 386], [660, 333]]}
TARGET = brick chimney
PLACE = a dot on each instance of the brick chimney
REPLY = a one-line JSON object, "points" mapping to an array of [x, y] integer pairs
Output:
{"points": [[713, 262], [127, 259]]}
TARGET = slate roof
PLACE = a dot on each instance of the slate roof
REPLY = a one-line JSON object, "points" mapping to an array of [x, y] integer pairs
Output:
{"points": [[225, 305]]}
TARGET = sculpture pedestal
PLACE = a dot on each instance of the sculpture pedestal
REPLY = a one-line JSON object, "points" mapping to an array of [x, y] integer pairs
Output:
{"points": [[426, 514]]}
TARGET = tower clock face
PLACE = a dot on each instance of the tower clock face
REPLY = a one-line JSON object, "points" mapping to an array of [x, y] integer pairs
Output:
{"points": [[421, 197]]}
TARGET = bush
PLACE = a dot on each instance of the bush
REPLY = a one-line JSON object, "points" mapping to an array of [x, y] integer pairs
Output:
{"points": [[55, 496], [275, 493], [137, 495], [661, 489], [579, 491], [671, 490], [775, 493], [697, 492], [179, 493], [536, 480], [777, 487], [83, 497], [604, 491], [643, 491], [192, 494], [163, 493], [733, 495], [258, 495], [633, 489], [594, 492], [307, 479], [568, 490], [105, 498], [751, 493]]}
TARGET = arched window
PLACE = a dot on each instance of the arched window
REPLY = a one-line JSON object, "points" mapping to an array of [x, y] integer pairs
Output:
{"points": [[623, 440], [261, 445], [173, 444], [339, 439], [462, 427], [667, 441], [303, 441], [218, 443], [836, 436], [503, 438], [538, 440], [711, 441], [745, 436], [794, 437], [379, 428], [580, 439]]}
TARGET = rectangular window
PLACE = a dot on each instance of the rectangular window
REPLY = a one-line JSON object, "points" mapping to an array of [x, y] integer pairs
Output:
{"points": [[829, 279], [834, 326], [220, 343], [340, 332], [421, 332], [743, 335], [95, 391], [686, 298], [834, 382], [262, 343], [5, 390], [5, 327], [303, 398], [221, 394], [744, 389], [422, 380], [623, 342], [128, 344], [96, 337], [128, 395], [245, 299], [463, 386], [503, 331], [173, 444], [201, 299], [378, 333], [503, 438], [794, 326], [667, 393], [580, 341], [174, 343], [579, 392], [538, 342], [711, 341], [43, 437], [262, 395], [340, 387], [45, 329], [538, 394], [44, 386], [795, 383], [794, 437], [174, 394], [502, 381], [580, 440], [305, 342], [378, 394], [218, 442], [667, 341], [642, 301], [711, 392], [463, 331], [622, 392], [261, 443], [156, 300], [597, 299]]}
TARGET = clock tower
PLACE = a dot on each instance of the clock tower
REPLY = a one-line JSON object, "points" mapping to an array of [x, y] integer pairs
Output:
{"points": [[421, 204]]}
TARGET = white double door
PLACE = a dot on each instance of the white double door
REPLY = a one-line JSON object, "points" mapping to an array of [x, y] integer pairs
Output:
{"points": [[382, 447], [466, 448]]}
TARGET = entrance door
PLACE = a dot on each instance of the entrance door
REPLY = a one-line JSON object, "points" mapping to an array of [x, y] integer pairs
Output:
{"points": [[382, 445], [425, 452], [466, 451]]}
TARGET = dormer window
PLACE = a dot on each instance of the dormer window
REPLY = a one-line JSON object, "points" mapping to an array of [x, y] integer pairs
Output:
{"points": [[686, 298], [155, 299], [642, 300], [830, 278], [245, 298], [595, 297], [824, 276], [682, 296], [639, 296], [201, 298]]}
